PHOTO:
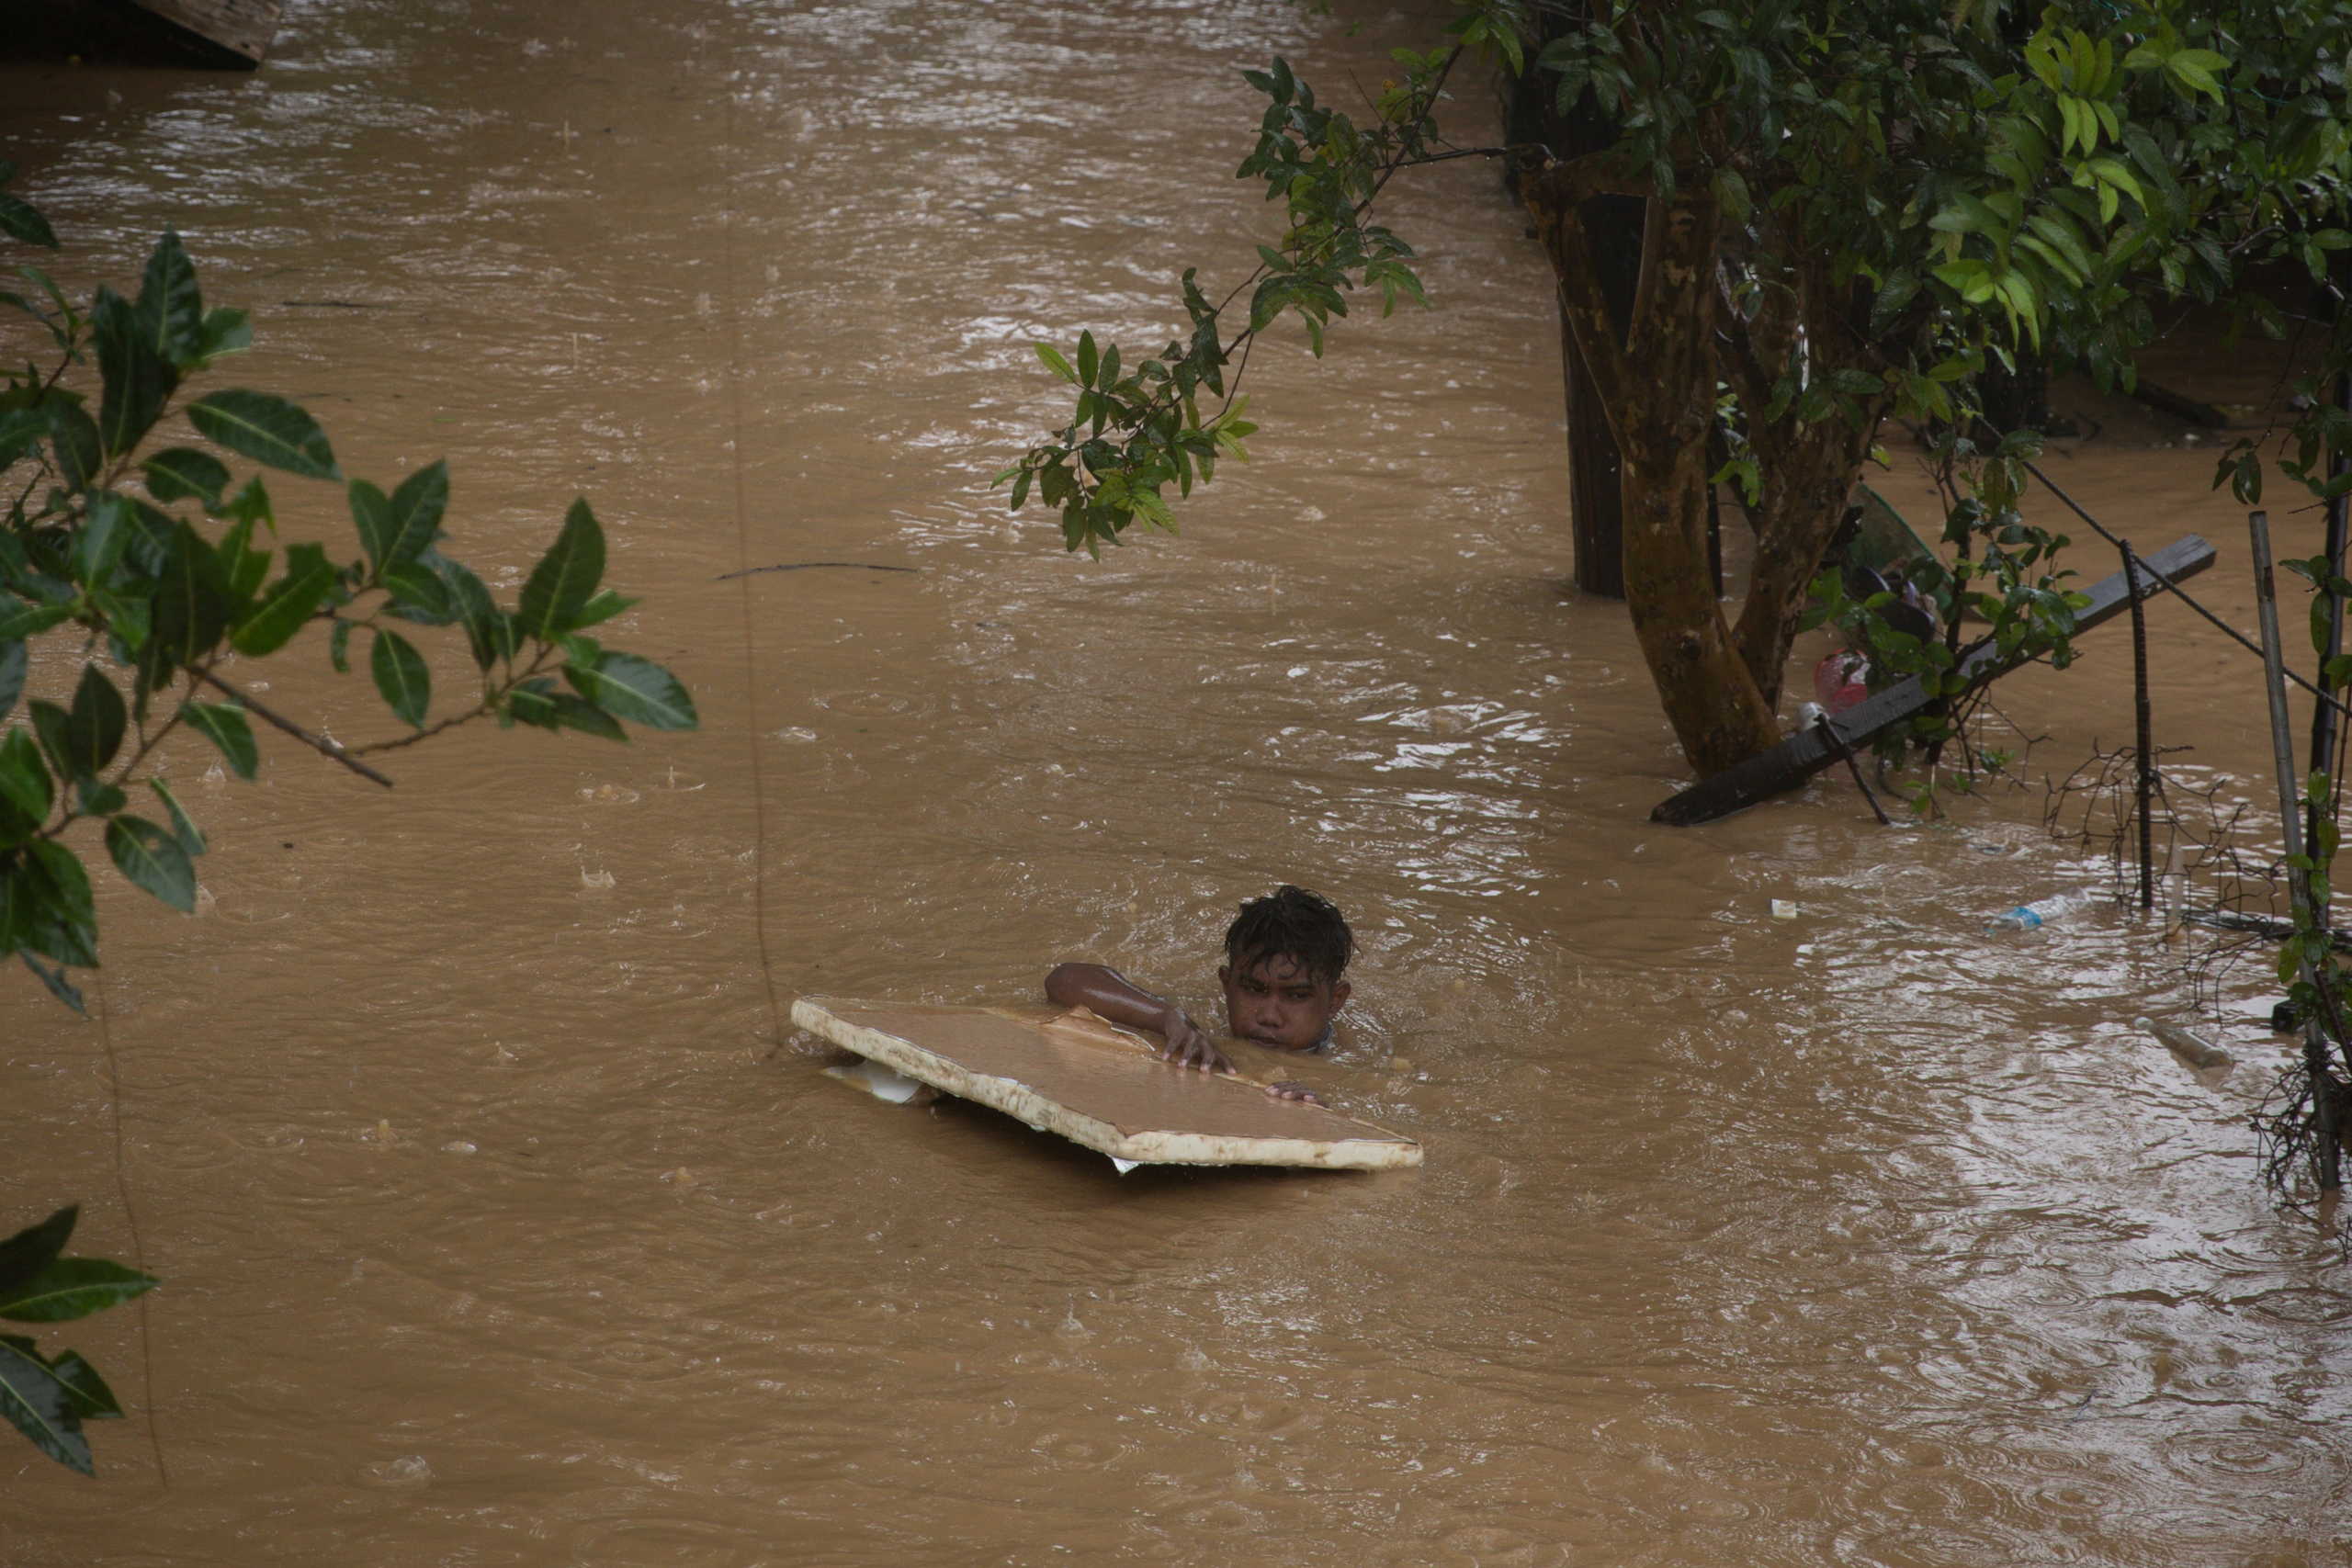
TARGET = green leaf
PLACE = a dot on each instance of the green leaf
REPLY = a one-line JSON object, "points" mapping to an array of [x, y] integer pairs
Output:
{"points": [[225, 332], [53, 978], [137, 381], [70, 1288], [26, 793], [242, 566], [154, 860], [92, 1399], [189, 837], [226, 728], [419, 595], [1089, 359], [17, 901], [266, 428], [32, 1399], [56, 731], [32, 1249], [577, 713], [170, 305], [177, 473], [603, 607], [565, 577], [371, 514], [339, 646], [20, 220], [401, 677], [2195, 69], [635, 689], [1731, 195], [1055, 362], [250, 504], [192, 598], [21, 430], [129, 618], [489, 633], [14, 662], [532, 702], [416, 509], [73, 438], [62, 917], [289, 605], [96, 723], [19, 620]]}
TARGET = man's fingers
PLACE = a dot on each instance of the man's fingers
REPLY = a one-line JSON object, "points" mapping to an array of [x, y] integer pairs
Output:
{"points": [[1195, 1051]]}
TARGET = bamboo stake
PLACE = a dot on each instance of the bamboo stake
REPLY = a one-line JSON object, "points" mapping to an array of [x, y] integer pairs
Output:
{"points": [[2266, 598], [2131, 580]]}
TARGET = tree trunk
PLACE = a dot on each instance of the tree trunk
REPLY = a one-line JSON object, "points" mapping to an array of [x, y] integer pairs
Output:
{"points": [[1809, 473], [1536, 118], [1808, 468], [1660, 414], [1596, 517], [1718, 715]]}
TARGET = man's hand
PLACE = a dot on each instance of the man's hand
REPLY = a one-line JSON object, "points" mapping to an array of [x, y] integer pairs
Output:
{"points": [[1187, 1046], [1287, 1090]]}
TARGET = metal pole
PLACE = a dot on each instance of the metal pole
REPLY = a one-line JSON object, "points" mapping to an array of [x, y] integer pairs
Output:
{"points": [[2131, 578], [2266, 599]]}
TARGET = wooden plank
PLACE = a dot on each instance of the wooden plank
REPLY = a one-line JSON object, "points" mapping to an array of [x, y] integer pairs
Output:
{"points": [[1808, 751], [1072, 1074], [173, 34], [242, 28]]}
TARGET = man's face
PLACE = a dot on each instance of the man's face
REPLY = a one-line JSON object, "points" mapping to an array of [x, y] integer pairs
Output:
{"points": [[1272, 1001]]}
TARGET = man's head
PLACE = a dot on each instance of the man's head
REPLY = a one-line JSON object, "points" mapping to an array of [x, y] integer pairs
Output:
{"points": [[1284, 959]]}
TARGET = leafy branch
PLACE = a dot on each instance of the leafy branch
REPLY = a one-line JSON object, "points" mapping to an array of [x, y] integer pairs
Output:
{"points": [[158, 564], [1137, 427], [45, 1395]]}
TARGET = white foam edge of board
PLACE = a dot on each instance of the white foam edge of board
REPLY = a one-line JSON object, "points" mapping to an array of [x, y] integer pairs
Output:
{"points": [[1025, 1104]]}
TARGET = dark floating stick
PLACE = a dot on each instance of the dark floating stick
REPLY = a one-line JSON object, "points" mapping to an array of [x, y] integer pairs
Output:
{"points": [[812, 566], [1852, 767], [1808, 751]]}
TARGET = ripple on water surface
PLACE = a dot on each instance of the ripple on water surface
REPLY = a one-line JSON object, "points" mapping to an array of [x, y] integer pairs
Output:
{"points": [[1859, 1237]]}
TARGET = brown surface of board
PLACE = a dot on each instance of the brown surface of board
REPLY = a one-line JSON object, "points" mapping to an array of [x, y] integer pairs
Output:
{"points": [[1072, 1074]]}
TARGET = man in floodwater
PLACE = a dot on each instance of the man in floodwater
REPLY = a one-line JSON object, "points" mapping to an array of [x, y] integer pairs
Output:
{"points": [[1285, 959]]}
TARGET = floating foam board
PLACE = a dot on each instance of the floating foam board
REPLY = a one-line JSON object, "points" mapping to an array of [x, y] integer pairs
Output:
{"points": [[1099, 1085]]}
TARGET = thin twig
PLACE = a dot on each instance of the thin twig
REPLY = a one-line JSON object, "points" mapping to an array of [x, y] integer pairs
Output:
{"points": [[347, 752], [319, 743], [811, 566]]}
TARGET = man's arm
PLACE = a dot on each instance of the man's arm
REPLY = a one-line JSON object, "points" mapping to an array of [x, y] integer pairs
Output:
{"points": [[1112, 995]]}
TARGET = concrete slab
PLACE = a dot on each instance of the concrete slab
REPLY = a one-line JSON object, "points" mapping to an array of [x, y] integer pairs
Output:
{"points": [[1099, 1085]]}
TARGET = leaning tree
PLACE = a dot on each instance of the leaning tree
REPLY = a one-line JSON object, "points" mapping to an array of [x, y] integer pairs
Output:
{"points": [[1850, 211]]}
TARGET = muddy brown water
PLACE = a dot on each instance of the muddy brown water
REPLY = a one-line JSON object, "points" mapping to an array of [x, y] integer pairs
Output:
{"points": [[505, 1221]]}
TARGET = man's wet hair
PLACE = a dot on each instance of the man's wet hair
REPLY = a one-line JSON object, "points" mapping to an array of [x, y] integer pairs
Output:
{"points": [[1290, 922]]}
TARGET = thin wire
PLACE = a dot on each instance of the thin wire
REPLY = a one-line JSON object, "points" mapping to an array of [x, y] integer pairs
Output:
{"points": [[130, 1218], [743, 557], [2182, 593]]}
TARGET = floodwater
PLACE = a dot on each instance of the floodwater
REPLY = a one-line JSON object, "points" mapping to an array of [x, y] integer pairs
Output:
{"points": [[505, 1221]]}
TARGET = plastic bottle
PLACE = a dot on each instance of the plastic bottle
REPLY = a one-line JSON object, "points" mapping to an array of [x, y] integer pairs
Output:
{"points": [[2192, 1049], [2041, 912]]}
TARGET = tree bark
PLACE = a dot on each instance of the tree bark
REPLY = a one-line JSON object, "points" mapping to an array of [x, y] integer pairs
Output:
{"points": [[1808, 468], [1660, 414]]}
